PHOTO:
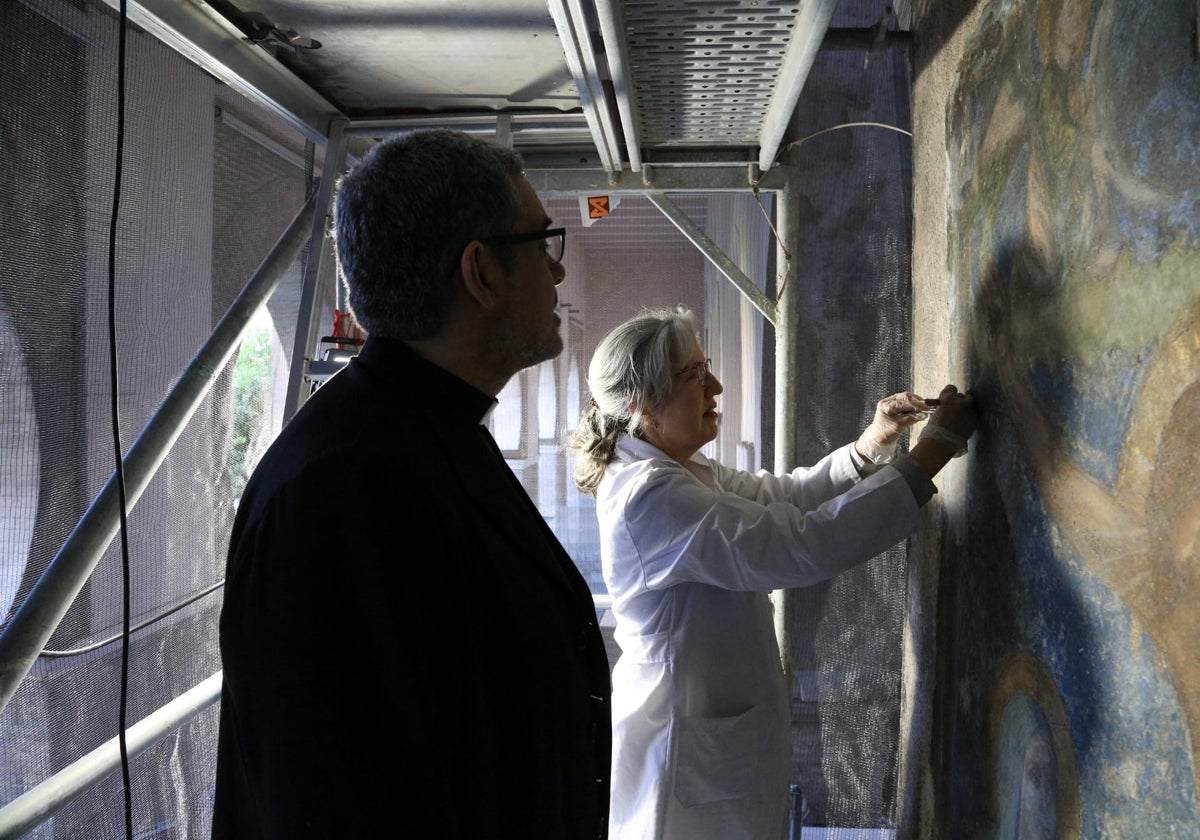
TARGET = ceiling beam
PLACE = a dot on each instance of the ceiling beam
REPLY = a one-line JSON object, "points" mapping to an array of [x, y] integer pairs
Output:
{"points": [[575, 180], [611, 14], [574, 33], [811, 23], [197, 32]]}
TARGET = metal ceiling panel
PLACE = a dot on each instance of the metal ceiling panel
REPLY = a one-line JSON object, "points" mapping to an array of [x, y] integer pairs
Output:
{"points": [[660, 82], [380, 57], [705, 71]]}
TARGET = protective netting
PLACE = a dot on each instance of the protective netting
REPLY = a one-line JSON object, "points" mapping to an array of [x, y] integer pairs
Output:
{"points": [[854, 272], [204, 197], [210, 183]]}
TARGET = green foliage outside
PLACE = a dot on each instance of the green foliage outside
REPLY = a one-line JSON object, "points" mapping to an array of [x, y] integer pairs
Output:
{"points": [[252, 378]]}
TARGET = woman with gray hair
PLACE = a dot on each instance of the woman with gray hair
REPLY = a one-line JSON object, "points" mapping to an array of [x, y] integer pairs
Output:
{"points": [[690, 550]]}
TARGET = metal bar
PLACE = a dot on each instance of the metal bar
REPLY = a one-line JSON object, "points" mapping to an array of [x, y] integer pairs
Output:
{"points": [[483, 123], [504, 135], [259, 137], [577, 50], [317, 271], [787, 327], [811, 23], [714, 254], [39, 803], [731, 178], [599, 93], [616, 47], [49, 599], [203, 36]]}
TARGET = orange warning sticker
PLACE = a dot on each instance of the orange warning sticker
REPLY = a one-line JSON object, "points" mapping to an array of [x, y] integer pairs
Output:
{"points": [[597, 206]]}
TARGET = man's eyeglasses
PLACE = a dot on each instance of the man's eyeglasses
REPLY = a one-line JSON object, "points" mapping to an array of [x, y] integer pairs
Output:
{"points": [[700, 370], [553, 246]]}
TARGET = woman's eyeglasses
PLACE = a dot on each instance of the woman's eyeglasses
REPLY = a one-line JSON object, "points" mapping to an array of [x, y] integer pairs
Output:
{"points": [[700, 370]]}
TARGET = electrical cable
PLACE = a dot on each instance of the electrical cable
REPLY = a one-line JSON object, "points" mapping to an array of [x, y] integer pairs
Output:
{"points": [[792, 145], [114, 379], [796, 143]]}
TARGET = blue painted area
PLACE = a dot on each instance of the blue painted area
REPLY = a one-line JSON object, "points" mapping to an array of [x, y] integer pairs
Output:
{"points": [[1021, 723], [1021, 586], [1093, 405], [1100, 411], [1024, 593], [1132, 747]]}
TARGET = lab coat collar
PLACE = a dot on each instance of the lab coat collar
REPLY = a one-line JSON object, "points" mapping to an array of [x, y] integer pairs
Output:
{"points": [[629, 450], [635, 449]]}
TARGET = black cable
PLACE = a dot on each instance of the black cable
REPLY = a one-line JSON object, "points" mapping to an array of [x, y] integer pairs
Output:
{"points": [[123, 21]]}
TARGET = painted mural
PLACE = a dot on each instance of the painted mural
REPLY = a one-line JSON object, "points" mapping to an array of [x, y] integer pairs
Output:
{"points": [[1074, 159]]}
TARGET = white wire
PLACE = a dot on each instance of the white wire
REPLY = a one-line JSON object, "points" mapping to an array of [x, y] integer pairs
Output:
{"points": [[796, 143]]}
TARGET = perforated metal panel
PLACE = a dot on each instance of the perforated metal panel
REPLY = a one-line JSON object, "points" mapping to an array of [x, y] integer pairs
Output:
{"points": [[704, 72]]}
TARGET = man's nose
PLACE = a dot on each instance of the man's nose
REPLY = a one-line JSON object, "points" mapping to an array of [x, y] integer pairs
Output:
{"points": [[559, 271]]}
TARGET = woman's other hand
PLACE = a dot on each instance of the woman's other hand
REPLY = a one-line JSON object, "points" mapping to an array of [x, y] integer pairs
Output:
{"points": [[957, 413], [946, 434]]}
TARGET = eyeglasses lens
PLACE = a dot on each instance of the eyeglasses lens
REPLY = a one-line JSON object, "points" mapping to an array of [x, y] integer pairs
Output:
{"points": [[701, 371], [555, 246]]}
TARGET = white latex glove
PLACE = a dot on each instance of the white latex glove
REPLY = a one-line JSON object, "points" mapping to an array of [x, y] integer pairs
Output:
{"points": [[893, 415]]}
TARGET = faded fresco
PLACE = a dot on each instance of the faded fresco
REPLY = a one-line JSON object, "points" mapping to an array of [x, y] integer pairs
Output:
{"points": [[1074, 232]]}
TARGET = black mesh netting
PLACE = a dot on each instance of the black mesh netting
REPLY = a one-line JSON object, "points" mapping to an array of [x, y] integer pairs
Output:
{"points": [[198, 164], [854, 273]]}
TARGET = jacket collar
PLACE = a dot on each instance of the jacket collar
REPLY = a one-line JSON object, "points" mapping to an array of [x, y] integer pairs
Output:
{"points": [[458, 401]]}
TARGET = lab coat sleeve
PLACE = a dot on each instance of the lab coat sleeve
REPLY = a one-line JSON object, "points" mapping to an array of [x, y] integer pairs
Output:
{"points": [[682, 531], [805, 487]]}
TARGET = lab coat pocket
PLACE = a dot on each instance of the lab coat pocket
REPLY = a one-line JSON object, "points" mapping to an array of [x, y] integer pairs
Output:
{"points": [[647, 648], [715, 757]]}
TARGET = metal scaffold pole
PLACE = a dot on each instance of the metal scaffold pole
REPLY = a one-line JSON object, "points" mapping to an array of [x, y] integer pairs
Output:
{"points": [[40, 613]]}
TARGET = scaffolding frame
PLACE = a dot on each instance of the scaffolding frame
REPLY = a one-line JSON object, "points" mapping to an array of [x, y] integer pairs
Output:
{"points": [[207, 40]]}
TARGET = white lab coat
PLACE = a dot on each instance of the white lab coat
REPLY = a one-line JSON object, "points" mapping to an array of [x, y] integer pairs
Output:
{"points": [[701, 719]]}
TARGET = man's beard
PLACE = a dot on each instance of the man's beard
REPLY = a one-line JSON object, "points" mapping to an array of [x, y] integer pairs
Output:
{"points": [[529, 350]]}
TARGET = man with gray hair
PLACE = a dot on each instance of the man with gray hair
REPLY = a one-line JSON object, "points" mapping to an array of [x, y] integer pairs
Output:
{"points": [[408, 650]]}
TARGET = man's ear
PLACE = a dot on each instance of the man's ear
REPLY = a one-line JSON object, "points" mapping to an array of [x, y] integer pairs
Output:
{"points": [[474, 264]]}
